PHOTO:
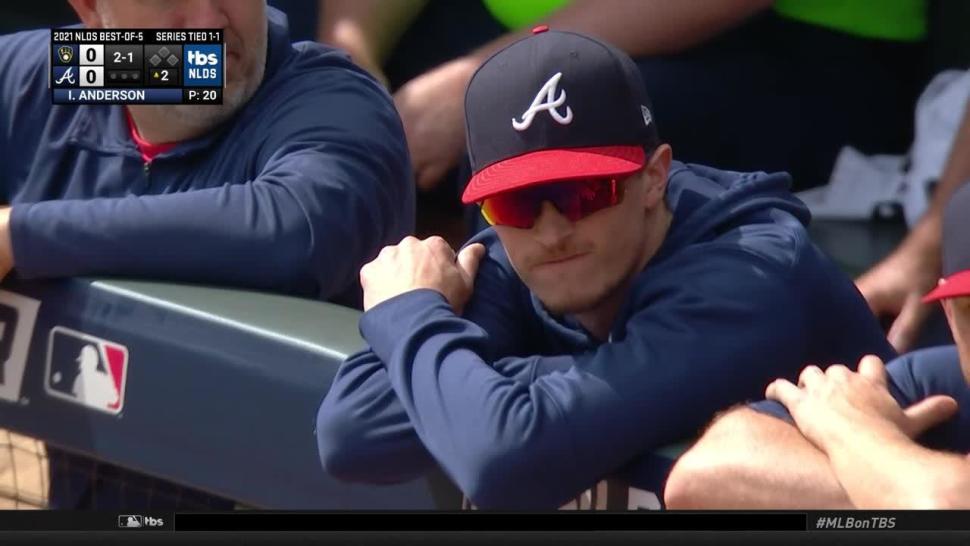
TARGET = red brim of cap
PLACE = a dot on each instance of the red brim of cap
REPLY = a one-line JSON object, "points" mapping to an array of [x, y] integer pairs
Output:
{"points": [[956, 285], [557, 165]]}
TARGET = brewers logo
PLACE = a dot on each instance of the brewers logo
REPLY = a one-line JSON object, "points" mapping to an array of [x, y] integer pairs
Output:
{"points": [[66, 54]]}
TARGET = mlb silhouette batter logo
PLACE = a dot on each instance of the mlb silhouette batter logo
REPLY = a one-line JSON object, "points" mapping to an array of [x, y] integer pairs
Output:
{"points": [[86, 370]]}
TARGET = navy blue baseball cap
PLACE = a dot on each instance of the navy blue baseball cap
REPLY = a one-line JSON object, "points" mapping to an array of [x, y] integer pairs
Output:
{"points": [[551, 107], [956, 248]]}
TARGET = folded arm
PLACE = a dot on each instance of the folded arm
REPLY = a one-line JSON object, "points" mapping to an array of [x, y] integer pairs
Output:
{"points": [[334, 187], [512, 444], [750, 460]]}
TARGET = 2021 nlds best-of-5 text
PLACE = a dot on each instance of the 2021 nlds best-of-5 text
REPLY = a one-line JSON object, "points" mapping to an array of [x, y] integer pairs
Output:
{"points": [[133, 36]]}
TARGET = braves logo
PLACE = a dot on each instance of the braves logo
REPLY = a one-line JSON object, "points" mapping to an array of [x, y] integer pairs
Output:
{"points": [[546, 101]]}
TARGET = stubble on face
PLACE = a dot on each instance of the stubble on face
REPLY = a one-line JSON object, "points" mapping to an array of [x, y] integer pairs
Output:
{"points": [[241, 83]]}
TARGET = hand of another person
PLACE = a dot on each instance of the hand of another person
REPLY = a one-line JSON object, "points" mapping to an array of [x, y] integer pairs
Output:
{"points": [[413, 264], [834, 405], [895, 287], [432, 108]]}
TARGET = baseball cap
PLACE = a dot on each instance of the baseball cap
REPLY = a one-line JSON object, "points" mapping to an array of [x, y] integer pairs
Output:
{"points": [[956, 248], [555, 106]]}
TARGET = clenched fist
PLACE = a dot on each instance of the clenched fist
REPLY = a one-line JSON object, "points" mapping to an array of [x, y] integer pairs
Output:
{"points": [[413, 264]]}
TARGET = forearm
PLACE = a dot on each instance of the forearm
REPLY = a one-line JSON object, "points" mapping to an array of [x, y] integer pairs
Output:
{"points": [[643, 27], [200, 236], [957, 169], [747, 460], [885, 469], [367, 29], [927, 233], [363, 432]]}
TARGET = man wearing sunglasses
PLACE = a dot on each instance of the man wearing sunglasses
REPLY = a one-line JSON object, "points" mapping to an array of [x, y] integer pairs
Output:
{"points": [[620, 300]]}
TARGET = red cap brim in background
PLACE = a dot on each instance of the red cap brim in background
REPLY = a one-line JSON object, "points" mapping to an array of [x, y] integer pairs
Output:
{"points": [[956, 285], [545, 166]]}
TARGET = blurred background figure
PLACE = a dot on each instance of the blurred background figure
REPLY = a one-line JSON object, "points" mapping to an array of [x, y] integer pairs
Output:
{"points": [[895, 286], [740, 84]]}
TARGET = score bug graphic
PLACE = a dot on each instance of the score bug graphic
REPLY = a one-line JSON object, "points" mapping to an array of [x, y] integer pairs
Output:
{"points": [[203, 65], [137, 66]]}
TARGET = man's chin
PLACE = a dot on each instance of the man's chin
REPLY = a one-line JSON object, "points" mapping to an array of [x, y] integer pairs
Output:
{"points": [[569, 303], [203, 117]]}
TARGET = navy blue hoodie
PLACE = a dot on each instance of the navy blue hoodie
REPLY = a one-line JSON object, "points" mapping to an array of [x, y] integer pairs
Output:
{"points": [[304, 185], [526, 410]]}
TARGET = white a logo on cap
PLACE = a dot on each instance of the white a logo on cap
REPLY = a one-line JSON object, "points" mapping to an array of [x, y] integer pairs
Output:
{"points": [[546, 100]]}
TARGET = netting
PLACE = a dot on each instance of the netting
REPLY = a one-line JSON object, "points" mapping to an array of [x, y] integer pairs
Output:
{"points": [[36, 476]]}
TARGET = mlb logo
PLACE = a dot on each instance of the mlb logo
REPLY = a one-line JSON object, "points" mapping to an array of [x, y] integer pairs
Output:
{"points": [[202, 65], [86, 370], [130, 521]]}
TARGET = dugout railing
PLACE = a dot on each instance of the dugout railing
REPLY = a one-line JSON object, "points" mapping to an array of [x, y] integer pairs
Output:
{"points": [[221, 385], [220, 391]]}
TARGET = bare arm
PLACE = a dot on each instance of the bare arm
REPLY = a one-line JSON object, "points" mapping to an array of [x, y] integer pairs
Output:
{"points": [[907, 476], [956, 171], [868, 437], [748, 460], [652, 27], [896, 285], [431, 105], [367, 29], [642, 27]]}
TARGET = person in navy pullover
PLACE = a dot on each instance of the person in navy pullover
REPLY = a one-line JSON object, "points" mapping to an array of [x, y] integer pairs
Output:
{"points": [[290, 185], [297, 179], [881, 437], [619, 300]]}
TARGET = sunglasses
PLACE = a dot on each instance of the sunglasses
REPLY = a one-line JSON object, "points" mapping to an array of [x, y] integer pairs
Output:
{"points": [[574, 199]]}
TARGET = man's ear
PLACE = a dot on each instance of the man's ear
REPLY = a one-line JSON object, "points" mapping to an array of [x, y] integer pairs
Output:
{"points": [[655, 172], [87, 12]]}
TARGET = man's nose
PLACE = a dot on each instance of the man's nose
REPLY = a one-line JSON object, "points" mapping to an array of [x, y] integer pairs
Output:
{"points": [[551, 227]]}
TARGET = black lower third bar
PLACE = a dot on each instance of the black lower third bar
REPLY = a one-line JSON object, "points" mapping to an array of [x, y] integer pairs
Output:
{"points": [[489, 521]]}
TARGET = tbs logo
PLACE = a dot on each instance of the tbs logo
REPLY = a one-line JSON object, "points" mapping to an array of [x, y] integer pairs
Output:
{"points": [[198, 58], [203, 65], [131, 521]]}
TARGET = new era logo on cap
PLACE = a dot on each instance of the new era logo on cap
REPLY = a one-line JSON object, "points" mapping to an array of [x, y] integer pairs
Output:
{"points": [[555, 106]]}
